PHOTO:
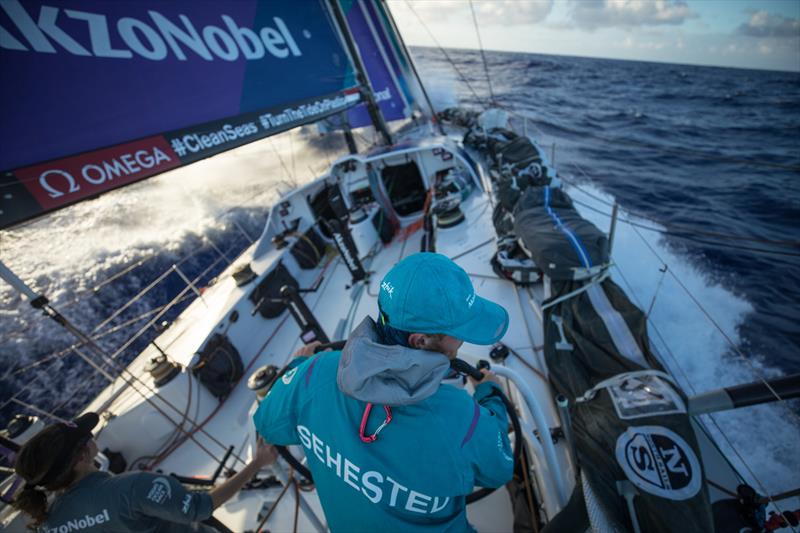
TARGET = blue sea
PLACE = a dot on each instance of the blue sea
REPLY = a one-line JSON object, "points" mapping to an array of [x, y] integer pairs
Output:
{"points": [[707, 157]]}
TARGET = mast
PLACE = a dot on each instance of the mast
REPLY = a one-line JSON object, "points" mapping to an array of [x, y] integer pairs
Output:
{"points": [[407, 55], [348, 135], [363, 82]]}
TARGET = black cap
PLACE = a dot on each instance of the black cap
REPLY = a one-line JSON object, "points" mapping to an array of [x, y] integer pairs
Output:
{"points": [[49, 453]]}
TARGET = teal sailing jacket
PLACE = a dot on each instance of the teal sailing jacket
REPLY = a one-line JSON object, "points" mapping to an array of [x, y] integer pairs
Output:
{"points": [[440, 443]]}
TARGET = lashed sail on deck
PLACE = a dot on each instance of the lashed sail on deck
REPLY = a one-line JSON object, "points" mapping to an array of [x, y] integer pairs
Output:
{"points": [[96, 96]]}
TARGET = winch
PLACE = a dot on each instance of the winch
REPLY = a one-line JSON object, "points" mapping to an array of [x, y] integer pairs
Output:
{"points": [[261, 380], [162, 369]]}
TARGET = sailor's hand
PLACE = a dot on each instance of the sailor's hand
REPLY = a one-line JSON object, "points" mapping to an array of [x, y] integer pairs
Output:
{"points": [[306, 350], [265, 453], [487, 376]]}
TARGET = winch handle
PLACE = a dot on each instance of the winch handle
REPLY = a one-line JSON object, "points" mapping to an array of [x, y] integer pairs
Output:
{"points": [[336, 345], [461, 366]]}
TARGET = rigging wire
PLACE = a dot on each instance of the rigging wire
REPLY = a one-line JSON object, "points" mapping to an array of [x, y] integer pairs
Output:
{"points": [[417, 77], [665, 150], [686, 236], [110, 363], [695, 153], [55, 355], [446, 55], [677, 228], [483, 55], [78, 295], [670, 151], [700, 306], [683, 151], [130, 379], [687, 232], [96, 288]]}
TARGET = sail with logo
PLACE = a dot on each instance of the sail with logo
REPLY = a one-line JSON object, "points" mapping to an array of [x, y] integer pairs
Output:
{"points": [[145, 87], [385, 62]]}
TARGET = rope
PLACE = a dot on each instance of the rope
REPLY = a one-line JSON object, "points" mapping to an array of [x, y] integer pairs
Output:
{"points": [[594, 280], [199, 427], [728, 339], [483, 55], [289, 481], [130, 379]]}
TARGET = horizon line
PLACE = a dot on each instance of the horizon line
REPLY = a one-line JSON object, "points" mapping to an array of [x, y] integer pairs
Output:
{"points": [[759, 69]]}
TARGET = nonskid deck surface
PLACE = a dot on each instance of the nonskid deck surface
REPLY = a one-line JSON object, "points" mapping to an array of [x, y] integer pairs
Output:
{"points": [[340, 307]]}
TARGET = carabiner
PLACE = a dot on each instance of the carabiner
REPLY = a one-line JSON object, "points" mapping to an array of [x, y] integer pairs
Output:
{"points": [[365, 417]]}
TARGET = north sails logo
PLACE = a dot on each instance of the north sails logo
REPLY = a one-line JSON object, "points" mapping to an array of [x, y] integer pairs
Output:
{"points": [[658, 460]]}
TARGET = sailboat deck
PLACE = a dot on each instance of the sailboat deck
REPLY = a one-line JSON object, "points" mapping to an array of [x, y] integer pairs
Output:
{"points": [[339, 306]]}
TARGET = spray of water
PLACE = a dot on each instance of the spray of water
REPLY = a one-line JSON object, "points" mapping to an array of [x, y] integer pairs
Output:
{"points": [[162, 220]]}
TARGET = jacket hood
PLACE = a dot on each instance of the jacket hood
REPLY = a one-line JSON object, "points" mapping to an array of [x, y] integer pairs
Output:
{"points": [[387, 375]]}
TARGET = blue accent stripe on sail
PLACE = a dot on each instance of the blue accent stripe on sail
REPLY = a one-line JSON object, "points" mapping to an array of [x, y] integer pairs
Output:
{"points": [[573, 239]]}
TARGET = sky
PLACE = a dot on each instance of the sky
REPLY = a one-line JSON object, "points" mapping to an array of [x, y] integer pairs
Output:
{"points": [[760, 34]]}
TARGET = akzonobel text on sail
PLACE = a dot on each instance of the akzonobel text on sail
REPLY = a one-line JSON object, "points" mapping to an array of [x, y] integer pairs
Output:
{"points": [[154, 39]]}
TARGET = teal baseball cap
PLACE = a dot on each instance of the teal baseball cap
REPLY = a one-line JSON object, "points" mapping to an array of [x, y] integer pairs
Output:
{"points": [[428, 293]]}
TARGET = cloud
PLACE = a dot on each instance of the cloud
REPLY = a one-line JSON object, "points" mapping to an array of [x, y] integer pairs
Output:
{"points": [[495, 12], [488, 12], [593, 14], [763, 24]]}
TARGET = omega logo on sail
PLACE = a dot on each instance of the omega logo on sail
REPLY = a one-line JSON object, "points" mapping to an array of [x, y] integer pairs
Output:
{"points": [[97, 174]]}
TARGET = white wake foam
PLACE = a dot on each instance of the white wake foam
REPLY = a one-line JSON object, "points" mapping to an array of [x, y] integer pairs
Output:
{"points": [[67, 253]]}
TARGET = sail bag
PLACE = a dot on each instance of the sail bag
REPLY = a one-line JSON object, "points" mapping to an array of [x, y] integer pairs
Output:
{"points": [[630, 424], [563, 244]]}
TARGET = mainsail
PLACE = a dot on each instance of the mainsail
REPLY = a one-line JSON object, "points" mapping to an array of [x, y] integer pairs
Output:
{"points": [[97, 96]]}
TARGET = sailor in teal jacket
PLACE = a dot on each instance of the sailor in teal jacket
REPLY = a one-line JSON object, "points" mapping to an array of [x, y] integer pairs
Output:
{"points": [[390, 447]]}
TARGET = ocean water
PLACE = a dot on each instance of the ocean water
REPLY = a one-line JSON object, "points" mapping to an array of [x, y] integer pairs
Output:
{"points": [[689, 151]]}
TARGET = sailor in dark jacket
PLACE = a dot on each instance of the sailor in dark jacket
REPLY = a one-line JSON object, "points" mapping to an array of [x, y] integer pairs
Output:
{"points": [[60, 459]]}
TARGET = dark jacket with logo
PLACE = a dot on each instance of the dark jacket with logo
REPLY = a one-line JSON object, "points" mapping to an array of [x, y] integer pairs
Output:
{"points": [[135, 501]]}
